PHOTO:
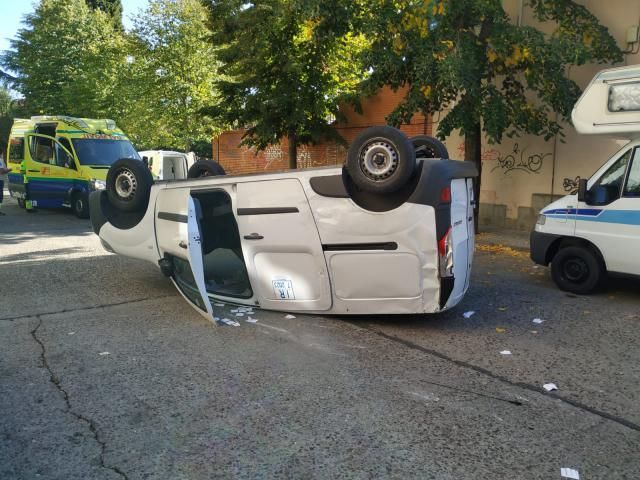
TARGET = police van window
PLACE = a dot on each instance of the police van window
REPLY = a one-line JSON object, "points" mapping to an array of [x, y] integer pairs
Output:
{"points": [[16, 151], [63, 159], [613, 178], [632, 189]]}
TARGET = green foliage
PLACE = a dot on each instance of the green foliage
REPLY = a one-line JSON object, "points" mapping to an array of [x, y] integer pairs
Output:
{"points": [[288, 63], [6, 118], [66, 59], [113, 8], [468, 57], [169, 76]]}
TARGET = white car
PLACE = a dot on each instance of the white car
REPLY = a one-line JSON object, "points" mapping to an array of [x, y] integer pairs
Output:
{"points": [[597, 231], [385, 234]]}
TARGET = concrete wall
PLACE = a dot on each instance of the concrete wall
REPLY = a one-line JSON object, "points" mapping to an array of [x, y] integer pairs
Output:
{"points": [[521, 175]]}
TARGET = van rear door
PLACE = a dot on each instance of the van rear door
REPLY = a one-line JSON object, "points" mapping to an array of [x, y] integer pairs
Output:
{"points": [[460, 237]]}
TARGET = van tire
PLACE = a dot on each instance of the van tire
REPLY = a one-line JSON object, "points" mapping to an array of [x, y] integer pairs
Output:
{"points": [[129, 183], [381, 160], [577, 270], [205, 168], [429, 147], [80, 205]]}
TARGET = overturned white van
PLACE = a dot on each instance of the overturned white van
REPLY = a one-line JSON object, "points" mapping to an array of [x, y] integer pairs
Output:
{"points": [[390, 232], [597, 231]]}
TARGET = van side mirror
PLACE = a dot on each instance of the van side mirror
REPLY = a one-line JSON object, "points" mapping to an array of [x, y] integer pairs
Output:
{"points": [[582, 190]]}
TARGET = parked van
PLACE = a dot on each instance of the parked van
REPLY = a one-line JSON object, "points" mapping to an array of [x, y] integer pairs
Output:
{"points": [[57, 160], [597, 231]]}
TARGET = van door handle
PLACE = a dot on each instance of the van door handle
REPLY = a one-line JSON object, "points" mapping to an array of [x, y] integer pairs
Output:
{"points": [[182, 244], [253, 236]]}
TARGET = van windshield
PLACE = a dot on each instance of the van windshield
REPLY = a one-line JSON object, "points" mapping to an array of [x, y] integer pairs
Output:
{"points": [[93, 151]]}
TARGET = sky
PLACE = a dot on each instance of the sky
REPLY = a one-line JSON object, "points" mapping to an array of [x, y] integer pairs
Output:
{"points": [[13, 11]]}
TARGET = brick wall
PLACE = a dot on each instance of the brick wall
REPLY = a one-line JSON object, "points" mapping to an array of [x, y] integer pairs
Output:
{"points": [[237, 159]]}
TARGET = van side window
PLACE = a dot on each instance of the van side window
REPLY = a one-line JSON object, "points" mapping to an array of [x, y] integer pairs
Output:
{"points": [[42, 150], [609, 187], [16, 150], [63, 159], [632, 188]]}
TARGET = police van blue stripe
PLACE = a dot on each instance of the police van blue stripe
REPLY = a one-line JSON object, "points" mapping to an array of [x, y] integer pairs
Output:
{"points": [[624, 217]]}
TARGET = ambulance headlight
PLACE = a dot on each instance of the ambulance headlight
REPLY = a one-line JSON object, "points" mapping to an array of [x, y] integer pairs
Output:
{"points": [[542, 219], [98, 184]]}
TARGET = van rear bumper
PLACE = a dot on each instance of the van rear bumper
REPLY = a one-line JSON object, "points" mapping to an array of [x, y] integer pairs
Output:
{"points": [[539, 244]]}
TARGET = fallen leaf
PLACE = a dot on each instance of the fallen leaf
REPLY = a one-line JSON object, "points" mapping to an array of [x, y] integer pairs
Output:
{"points": [[500, 329]]}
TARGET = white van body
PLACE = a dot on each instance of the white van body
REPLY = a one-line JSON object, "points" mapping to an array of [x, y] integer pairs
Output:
{"points": [[167, 164], [300, 241], [600, 225]]}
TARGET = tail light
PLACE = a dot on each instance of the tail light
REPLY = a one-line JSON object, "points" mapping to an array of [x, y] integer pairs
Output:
{"points": [[445, 195], [445, 253]]}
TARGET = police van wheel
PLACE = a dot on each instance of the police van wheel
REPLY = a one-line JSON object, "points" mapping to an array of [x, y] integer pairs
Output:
{"points": [[205, 168], [429, 147], [80, 205], [381, 160], [577, 270], [128, 185]]}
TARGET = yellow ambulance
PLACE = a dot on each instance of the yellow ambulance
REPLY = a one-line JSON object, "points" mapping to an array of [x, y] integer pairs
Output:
{"points": [[56, 160]]}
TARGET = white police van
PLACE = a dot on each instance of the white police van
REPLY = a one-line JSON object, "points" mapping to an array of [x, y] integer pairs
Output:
{"points": [[597, 231]]}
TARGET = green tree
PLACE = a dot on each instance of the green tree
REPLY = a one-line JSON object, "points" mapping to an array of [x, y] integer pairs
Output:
{"points": [[6, 118], [66, 59], [170, 76], [493, 76], [288, 63], [113, 8]]}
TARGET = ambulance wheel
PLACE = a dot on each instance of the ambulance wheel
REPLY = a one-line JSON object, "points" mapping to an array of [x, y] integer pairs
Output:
{"points": [[577, 270], [128, 185], [429, 147], [80, 205], [381, 160], [205, 168]]}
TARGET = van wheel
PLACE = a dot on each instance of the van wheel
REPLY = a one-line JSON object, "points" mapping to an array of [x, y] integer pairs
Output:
{"points": [[381, 160], [80, 205], [577, 270], [128, 185], [205, 168], [429, 147]]}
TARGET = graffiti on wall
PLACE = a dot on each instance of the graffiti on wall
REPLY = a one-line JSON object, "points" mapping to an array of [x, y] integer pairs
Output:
{"points": [[518, 159], [570, 185]]}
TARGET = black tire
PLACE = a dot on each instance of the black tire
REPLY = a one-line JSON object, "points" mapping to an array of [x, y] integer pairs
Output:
{"points": [[80, 205], [205, 168], [128, 185], [577, 269], [429, 147], [381, 160]]}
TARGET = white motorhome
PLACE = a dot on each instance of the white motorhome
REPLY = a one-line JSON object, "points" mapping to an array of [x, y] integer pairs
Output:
{"points": [[597, 231]]}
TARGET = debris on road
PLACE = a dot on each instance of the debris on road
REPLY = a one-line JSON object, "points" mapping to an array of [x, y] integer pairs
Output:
{"points": [[71, 333], [549, 387], [569, 473], [289, 317], [252, 320], [505, 352], [537, 320], [468, 314], [228, 321], [219, 304], [102, 354], [500, 329]]}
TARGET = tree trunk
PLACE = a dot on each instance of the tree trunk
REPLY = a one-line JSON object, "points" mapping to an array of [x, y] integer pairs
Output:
{"points": [[473, 153], [293, 150]]}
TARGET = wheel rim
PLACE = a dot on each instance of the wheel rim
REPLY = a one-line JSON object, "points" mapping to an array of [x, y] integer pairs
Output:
{"points": [[126, 184], [575, 270], [79, 205], [378, 159]]}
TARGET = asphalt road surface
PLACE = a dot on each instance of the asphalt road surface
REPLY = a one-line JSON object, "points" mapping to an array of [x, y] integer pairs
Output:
{"points": [[106, 373]]}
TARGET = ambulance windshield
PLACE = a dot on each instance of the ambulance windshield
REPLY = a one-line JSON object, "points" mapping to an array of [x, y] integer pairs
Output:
{"points": [[102, 151]]}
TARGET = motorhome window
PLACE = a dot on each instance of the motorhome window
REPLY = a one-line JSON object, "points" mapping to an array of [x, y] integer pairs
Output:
{"points": [[63, 159], [16, 150], [99, 151], [632, 188], [41, 150], [610, 183], [625, 97]]}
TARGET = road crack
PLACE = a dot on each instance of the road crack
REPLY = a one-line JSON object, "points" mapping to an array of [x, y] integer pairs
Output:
{"points": [[526, 386], [55, 380]]}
